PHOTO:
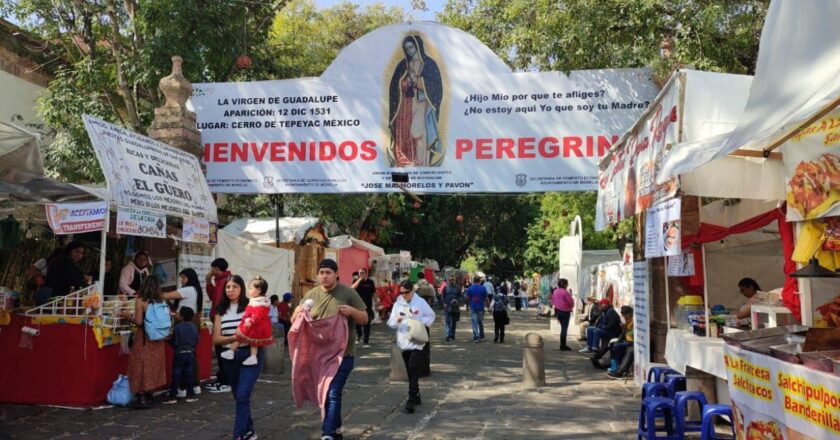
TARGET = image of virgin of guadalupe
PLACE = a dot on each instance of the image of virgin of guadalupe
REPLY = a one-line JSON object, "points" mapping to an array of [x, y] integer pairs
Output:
{"points": [[414, 99]]}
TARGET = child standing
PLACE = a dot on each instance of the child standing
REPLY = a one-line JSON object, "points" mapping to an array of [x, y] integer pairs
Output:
{"points": [[185, 339], [255, 327]]}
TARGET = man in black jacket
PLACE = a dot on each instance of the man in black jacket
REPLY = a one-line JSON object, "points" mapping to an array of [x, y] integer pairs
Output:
{"points": [[608, 327]]}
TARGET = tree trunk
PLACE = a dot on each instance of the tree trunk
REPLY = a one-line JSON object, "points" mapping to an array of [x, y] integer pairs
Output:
{"points": [[124, 88]]}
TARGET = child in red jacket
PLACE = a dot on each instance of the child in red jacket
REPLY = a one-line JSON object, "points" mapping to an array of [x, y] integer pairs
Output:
{"points": [[255, 326]]}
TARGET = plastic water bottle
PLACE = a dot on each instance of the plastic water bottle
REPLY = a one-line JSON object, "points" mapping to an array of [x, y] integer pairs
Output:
{"points": [[613, 365]]}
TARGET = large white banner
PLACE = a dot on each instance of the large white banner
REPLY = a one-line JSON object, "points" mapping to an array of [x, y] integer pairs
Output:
{"points": [[420, 98], [76, 218], [663, 232], [148, 175]]}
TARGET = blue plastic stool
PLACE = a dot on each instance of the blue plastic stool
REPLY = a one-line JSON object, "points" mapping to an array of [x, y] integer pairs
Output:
{"points": [[654, 408], [710, 412], [676, 383], [655, 389], [682, 399], [656, 374]]}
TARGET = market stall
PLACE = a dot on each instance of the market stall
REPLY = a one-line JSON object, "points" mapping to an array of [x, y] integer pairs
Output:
{"points": [[792, 106], [304, 236], [156, 197]]}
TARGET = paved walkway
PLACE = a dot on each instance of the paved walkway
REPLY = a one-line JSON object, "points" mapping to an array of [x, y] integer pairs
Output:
{"points": [[474, 392]]}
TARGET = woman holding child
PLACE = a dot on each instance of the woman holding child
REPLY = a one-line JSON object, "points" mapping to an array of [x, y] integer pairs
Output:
{"points": [[242, 366]]}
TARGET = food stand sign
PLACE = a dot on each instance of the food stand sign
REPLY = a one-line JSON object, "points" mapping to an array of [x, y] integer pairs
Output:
{"points": [[812, 170], [627, 185], [663, 230], [421, 98], [196, 230], [773, 399], [141, 223], [148, 175], [76, 218]]}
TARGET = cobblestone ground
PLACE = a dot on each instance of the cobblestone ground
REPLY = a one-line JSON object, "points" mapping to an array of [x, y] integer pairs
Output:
{"points": [[474, 392]]}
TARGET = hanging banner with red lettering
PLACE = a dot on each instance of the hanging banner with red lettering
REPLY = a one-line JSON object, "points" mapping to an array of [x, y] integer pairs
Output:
{"points": [[627, 184], [773, 399], [420, 98], [148, 175]]}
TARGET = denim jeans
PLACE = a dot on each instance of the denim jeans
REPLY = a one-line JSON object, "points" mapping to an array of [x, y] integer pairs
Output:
{"points": [[332, 406], [221, 374], [594, 336], [563, 319], [183, 369], [242, 379], [449, 325], [477, 318]]}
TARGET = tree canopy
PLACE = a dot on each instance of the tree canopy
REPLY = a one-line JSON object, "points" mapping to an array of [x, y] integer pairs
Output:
{"points": [[114, 53]]}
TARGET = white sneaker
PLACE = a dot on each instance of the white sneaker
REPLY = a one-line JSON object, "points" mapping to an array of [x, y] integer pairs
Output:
{"points": [[227, 354], [197, 390], [252, 360], [181, 393]]}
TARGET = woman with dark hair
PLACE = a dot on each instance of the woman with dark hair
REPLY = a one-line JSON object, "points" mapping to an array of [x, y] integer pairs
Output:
{"points": [[241, 378], [63, 273], [147, 362], [563, 304], [415, 95], [750, 289], [189, 295]]}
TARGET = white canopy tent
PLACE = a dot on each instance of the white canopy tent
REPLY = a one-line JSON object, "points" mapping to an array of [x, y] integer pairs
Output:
{"points": [[795, 85], [264, 230]]}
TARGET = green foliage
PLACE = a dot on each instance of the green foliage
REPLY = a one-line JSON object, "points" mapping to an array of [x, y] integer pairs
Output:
{"points": [[112, 55], [556, 212], [716, 35], [305, 40]]}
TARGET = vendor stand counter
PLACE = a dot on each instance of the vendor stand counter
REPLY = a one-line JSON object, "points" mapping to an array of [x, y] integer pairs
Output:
{"points": [[65, 365], [684, 349]]}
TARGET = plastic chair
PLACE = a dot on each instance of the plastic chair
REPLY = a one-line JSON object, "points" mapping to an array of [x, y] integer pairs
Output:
{"points": [[655, 389], [656, 374], [663, 408], [710, 413], [682, 399], [676, 383]]}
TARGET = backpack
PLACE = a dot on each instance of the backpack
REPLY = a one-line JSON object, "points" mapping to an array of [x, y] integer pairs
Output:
{"points": [[157, 323], [120, 393], [455, 310]]}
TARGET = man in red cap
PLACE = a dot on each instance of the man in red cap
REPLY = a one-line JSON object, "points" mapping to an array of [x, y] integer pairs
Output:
{"points": [[607, 327]]}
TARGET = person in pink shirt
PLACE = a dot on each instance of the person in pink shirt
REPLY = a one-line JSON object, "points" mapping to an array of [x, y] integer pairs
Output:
{"points": [[563, 304]]}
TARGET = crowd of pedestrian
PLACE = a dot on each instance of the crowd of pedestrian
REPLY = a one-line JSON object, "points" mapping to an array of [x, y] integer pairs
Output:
{"points": [[322, 331]]}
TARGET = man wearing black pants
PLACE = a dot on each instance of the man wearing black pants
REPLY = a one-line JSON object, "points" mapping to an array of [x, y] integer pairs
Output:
{"points": [[410, 309], [366, 288]]}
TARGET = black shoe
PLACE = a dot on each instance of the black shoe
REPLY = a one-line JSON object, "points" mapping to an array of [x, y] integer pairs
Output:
{"points": [[565, 348], [495, 340], [409, 408], [501, 341], [415, 400], [615, 375]]}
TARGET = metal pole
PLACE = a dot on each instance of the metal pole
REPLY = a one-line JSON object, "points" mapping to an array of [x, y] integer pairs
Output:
{"points": [[705, 289], [277, 220], [102, 251]]}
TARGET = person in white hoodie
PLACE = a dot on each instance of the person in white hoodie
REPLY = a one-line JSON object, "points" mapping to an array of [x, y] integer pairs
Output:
{"points": [[409, 306]]}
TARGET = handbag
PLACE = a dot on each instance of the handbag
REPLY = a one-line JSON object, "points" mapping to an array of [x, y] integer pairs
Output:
{"points": [[120, 393], [417, 332]]}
